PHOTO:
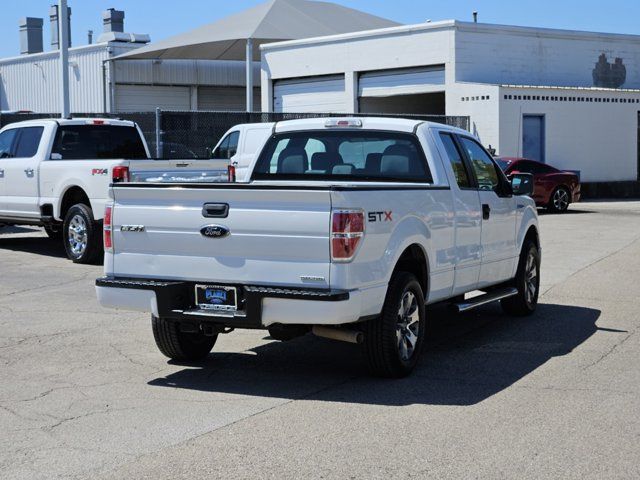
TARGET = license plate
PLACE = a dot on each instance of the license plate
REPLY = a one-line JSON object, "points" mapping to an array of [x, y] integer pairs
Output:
{"points": [[216, 297]]}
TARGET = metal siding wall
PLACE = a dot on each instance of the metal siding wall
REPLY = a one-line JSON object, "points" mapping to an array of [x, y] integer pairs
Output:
{"points": [[146, 98], [226, 99], [184, 72], [31, 82]]}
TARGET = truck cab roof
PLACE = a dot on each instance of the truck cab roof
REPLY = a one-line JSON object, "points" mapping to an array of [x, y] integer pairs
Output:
{"points": [[73, 121], [364, 123]]}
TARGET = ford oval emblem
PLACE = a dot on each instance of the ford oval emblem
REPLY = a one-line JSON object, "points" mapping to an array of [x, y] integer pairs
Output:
{"points": [[214, 231]]}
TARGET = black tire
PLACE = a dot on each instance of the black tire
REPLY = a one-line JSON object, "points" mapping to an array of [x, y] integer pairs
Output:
{"points": [[54, 233], [560, 200], [79, 224], [180, 346], [385, 335], [526, 301]]}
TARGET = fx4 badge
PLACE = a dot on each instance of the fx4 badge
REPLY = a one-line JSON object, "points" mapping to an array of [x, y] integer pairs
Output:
{"points": [[380, 216]]}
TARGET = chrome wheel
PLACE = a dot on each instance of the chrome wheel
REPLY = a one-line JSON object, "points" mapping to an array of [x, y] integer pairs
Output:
{"points": [[77, 235], [561, 200], [531, 279], [408, 325]]}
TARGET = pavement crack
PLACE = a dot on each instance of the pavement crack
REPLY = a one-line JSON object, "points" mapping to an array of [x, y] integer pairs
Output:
{"points": [[126, 356], [46, 287], [595, 262], [609, 352]]}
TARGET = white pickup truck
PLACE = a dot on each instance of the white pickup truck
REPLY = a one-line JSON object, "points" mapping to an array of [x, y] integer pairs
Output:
{"points": [[346, 228], [56, 174], [240, 145]]}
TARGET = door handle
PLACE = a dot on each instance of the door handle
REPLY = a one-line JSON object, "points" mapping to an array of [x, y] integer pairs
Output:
{"points": [[28, 172], [1, 173], [486, 211], [215, 210]]}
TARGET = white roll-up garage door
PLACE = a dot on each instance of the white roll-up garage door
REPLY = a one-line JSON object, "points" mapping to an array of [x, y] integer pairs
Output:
{"points": [[313, 94], [146, 98], [408, 81]]}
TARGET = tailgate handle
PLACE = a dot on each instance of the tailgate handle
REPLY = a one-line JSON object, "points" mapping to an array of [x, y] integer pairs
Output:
{"points": [[215, 210]]}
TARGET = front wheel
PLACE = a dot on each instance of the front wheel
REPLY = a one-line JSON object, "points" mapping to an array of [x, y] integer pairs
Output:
{"points": [[181, 346], [527, 282], [82, 235], [394, 340]]}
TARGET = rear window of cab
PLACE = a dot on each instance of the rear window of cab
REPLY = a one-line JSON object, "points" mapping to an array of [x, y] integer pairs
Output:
{"points": [[343, 155], [95, 142]]}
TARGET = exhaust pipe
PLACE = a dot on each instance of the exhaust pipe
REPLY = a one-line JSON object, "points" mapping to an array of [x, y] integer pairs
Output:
{"points": [[349, 336]]}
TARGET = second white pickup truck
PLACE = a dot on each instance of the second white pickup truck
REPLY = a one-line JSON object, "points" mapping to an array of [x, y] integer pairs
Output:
{"points": [[56, 174], [346, 228]]}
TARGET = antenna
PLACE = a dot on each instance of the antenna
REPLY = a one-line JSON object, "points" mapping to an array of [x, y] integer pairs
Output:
{"points": [[475, 17]]}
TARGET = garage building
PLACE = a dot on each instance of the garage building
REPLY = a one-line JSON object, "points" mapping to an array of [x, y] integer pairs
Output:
{"points": [[568, 98]]}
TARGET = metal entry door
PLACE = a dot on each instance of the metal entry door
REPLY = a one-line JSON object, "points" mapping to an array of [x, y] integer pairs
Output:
{"points": [[533, 137]]}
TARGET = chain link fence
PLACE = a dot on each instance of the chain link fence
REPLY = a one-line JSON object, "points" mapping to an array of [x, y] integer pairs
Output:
{"points": [[194, 134]]}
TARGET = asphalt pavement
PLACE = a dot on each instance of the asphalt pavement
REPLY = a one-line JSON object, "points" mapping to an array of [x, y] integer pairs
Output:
{"points": [[86, 394]]}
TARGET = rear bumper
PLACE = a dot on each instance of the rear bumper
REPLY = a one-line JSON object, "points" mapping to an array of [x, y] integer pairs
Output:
{"points": [[259, 306], [577, 194]]}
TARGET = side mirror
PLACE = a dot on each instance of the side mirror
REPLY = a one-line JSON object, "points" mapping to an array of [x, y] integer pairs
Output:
{"points": [[522, 183]]}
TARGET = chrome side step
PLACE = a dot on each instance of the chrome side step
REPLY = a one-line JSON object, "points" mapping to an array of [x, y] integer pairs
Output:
{"points": [[484, 299]]}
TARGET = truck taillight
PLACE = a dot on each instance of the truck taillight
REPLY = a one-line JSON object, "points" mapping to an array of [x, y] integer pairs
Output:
{"points": [[347, 230], [120, 174], [107, 228], [231, 171]]}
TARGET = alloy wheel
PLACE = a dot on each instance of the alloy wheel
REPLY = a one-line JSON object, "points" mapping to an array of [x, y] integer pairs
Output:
{"points": [[77, 235], [408, 325], [561, 199], [531, 278]]}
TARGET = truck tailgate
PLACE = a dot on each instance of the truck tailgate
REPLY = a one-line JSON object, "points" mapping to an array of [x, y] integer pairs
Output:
{"points": [[276, 236]]}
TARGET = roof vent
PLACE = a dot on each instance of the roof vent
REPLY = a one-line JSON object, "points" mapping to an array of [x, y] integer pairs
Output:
{"points": [[55, 35], [31, 35], [113, 29], [113, 21]]}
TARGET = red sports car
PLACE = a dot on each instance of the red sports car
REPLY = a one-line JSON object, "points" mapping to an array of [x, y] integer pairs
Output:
{"points": [[553, 189]]}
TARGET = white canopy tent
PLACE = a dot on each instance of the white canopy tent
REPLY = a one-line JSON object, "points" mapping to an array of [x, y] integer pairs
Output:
{"points": [[239, 36]]}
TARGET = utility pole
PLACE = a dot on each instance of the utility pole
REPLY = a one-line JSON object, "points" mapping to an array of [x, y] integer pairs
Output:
{"points": [[249, 67], [63, 29]]}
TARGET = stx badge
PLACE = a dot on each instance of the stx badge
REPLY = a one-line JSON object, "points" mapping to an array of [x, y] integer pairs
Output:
{"points": [[380, 216]]}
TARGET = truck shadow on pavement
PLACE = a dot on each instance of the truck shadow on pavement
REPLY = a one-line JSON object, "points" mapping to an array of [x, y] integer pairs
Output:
{"points": [[468, 359], [38, 245]]}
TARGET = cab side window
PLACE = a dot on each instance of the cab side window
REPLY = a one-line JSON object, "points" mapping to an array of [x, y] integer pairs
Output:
{"points": [[459, 169], [482, 164], [28, 142], [228, 147], [7, 143]]}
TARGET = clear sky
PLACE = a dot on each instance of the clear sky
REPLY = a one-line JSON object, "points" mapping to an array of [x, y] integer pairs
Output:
{"points": [[163, 18]]}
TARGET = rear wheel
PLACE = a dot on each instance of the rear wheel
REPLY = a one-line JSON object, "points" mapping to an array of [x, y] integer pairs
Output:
{"points": [[560, 200], [179, 345], [527, 282], [394, 340], [82, 235]]}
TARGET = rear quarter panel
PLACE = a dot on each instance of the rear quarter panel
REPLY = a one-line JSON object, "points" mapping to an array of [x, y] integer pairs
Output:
{"points": [[420, 216], [92, 176]]}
